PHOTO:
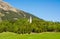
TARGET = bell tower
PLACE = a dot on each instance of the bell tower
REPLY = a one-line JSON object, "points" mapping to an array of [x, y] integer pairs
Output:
{"points": [[30, 20]]}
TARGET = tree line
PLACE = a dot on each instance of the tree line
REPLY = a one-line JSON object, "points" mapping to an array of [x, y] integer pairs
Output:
{"points": [[22, 26]]}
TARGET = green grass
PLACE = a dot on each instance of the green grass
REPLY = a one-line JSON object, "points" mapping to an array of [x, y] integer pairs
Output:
{"points": [[9, 35]]}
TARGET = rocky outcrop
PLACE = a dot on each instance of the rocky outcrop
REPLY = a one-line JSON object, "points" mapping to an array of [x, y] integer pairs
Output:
{"points": [[5, 6]]}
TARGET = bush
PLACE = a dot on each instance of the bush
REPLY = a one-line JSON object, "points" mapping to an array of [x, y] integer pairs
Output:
{"points": [[23, 26]]}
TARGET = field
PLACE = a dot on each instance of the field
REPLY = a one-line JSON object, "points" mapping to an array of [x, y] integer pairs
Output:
{"points": [[48, 35]]}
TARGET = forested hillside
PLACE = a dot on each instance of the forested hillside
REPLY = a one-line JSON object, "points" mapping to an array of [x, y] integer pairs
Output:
{"points": [[23, 26]]}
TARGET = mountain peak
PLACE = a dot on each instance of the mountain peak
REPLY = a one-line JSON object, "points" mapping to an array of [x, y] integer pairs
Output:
{"points": [[5, 6]]}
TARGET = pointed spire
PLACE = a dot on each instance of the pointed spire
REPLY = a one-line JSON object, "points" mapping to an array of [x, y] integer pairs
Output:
{"points": [[30, 19]]}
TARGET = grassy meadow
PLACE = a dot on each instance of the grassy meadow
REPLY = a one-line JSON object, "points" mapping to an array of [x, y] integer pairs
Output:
{"points": [[48, 35]]}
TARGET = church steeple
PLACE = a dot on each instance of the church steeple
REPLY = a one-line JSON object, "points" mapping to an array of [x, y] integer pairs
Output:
{"points": [[30, 19]]}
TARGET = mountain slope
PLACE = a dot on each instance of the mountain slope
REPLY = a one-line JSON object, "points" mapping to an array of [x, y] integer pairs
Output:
{"points": [[10, 13]]}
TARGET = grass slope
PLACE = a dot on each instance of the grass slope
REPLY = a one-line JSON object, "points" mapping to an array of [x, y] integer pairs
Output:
{"points": [[10, 15], [9, 35]]}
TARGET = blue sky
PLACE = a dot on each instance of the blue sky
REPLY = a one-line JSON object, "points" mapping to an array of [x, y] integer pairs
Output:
{"points": [[45, 9]]}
